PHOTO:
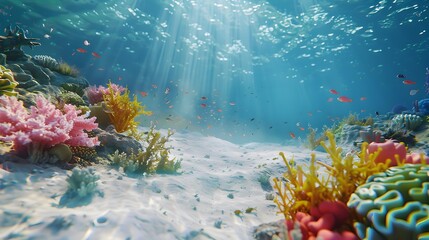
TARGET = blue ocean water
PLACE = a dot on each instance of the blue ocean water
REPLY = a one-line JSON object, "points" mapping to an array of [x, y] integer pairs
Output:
{"points": [[240, 70]]}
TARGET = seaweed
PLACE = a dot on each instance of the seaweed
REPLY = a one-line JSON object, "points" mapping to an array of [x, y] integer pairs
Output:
{"points": [[154, 159], [300, 190]]}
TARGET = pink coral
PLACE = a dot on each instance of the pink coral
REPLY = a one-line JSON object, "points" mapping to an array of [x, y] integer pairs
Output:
{"points": [[95, 94], [43, 124], [390, 150]]}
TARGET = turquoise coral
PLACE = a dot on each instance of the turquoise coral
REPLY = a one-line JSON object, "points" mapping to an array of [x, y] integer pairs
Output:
{"points": [[394, 204]]}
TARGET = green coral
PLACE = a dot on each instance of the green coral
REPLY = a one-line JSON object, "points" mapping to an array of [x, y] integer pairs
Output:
{"points": [[155, 157], [7, 82], [72, 98], [409, 121], [393, 204], [82, 185], [73, 87]]}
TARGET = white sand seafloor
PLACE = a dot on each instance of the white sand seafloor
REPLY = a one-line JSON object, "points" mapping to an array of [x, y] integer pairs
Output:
{"points": [[218, 177]]}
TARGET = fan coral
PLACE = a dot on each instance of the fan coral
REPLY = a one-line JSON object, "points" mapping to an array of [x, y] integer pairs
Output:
{"points": [[155, 158], [95, 94], [393, 204], [409, 121], [7, 82], [123, 111], [302, 190], [43, 125]]}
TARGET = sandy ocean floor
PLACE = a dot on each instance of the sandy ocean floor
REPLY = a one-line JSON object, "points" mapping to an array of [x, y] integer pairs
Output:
{"points": [[218, 177]]}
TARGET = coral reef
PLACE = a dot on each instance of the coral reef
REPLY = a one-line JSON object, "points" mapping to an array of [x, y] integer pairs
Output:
{"points": [[43, 125], [7, 82], [122, 111], [409, 121], [393, 204], [155, 157], [396, 132]]}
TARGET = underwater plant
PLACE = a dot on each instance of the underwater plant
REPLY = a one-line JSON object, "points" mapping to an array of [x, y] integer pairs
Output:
{"points": [[122, 111], [396, 132], [7, 82], [300, 190], [43, 125], [313, 141], [352, 119], [68, 70], [154, 158]]}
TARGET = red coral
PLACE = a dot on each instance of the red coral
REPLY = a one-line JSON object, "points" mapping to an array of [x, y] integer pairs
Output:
{"points": [[324, 222]]}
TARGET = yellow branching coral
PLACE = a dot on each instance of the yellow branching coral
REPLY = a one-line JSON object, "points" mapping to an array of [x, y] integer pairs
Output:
{"points": [[122, 111], [301, 190]]}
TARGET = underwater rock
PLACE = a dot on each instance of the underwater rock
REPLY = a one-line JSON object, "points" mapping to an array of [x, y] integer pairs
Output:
{"points": [[423, 106], [2, 59], [36, 72], [268, 231], [16, 55], [111, 141], [393, 204]]}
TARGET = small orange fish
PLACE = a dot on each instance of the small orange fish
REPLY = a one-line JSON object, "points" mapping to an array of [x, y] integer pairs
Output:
{"points": [[362, 98], [333, 91], [95, 55], [81, 50], [292, 135], [408, 82], [344, 99], [143, 93], [301, 128], [203, 105]]}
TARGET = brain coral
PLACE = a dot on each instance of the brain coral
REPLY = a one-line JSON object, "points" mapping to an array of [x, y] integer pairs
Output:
{"points": [[394, 204]]}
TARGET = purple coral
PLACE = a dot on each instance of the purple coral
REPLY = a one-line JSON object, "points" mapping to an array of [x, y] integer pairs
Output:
{"points": [[95, 94], [43, 125]]}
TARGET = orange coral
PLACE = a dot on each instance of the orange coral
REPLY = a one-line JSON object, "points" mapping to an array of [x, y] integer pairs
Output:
{"points": [[122, 111]]}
